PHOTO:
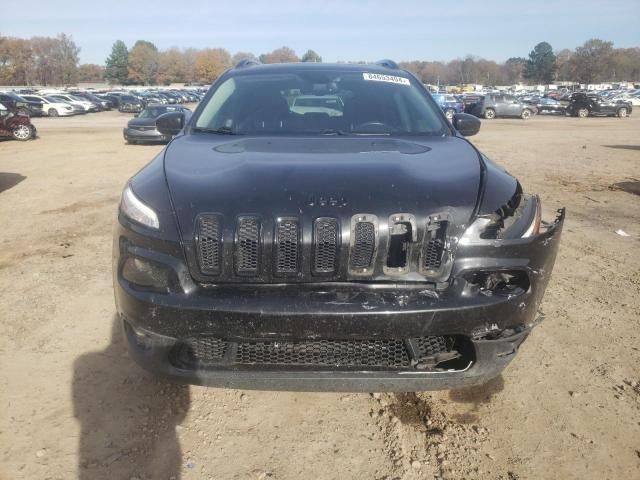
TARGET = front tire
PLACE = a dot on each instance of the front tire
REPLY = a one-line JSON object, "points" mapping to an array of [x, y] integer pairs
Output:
{"points": [[622, 112], [22, 133], [52, 112], [583, 112], [489, 114], [526, 114]]}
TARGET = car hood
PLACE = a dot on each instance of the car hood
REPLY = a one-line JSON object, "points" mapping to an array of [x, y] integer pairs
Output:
{"points": [[312, 177]]}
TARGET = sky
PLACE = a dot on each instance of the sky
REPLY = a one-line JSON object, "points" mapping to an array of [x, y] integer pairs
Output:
{"points": [[337, 30]]}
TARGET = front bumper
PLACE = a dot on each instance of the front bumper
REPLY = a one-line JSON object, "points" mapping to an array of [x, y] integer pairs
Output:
{"points": [[492, 325], [144, 135]]}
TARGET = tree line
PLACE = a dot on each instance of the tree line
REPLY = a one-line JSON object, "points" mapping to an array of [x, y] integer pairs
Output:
{"points": [[596, 61], [55, 61]]}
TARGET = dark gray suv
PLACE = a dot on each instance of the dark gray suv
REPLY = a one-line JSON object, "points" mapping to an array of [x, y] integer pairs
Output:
{"points": [[501, 105]]}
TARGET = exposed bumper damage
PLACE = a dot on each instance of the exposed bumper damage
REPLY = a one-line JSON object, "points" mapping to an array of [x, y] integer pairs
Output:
{"points": [[480, 319]]}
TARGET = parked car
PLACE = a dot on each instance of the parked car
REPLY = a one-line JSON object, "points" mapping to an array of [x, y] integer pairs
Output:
{"points": [[449, 104], [73, 100], [370, 251], [500, 105], [52, 108], [547, 105], [78, 109], [130, 104], [114, 99], [143, 127], [99, 102], [583, 104], [19, 104], [14, 123]]}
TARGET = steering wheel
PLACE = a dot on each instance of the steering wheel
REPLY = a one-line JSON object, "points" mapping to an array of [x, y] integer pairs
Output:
{"points": [[375, 127]]}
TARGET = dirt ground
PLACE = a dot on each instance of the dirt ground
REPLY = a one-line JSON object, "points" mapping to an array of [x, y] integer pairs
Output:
{"points": [[75, 406]]}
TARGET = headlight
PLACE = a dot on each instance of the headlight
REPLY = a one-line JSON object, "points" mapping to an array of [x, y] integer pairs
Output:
{"points": [[132, 207], [520, 218]]}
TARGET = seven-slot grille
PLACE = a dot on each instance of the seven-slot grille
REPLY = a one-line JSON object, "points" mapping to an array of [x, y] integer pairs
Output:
{"points": [[284, 248], [326, 237], [248, 246], [287, 246], [210, 244]]}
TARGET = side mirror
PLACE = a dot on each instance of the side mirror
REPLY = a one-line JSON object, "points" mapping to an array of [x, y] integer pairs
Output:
{"points": [[170, 123], [466, 124]]}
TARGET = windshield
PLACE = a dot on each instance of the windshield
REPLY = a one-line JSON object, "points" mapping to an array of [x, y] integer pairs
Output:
{"points": [[154, 112], [321, 102]]}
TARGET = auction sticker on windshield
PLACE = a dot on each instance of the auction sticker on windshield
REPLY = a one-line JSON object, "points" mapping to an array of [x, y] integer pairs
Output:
{"points": [[378, 77]]}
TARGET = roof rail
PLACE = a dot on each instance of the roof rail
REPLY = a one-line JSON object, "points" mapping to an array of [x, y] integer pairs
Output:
{"points": [[247, 62], [388, 64]]}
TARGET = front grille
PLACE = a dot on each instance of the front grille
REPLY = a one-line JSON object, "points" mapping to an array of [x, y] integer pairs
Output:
{"points": [[363, 245], [209, 244], [368, 353], [287, 246], [263, 249], [326, 238], [433, 248], [248, 246]]}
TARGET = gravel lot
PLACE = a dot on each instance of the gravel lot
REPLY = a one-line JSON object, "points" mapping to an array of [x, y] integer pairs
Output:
{"points": [[75, 406]]}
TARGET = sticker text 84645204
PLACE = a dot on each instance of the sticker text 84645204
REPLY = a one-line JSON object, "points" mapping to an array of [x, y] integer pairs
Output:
{"points": [[379, 77]]}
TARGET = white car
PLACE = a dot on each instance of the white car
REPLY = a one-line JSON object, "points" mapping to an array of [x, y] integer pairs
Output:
{"points": [[87, 105], [51, 107]]}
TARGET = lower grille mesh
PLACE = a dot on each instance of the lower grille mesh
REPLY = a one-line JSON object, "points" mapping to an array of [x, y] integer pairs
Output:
{"points": [[381, 353]]}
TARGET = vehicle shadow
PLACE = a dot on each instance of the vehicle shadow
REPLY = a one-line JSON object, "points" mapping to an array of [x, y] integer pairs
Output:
{"points": [[9, 180], [624, 147], [127, 417]]}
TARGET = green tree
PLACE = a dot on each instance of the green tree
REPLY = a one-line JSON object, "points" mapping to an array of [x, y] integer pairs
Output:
{"points": [[541, 66], [117, 65], [311, 56], [144, 61]]}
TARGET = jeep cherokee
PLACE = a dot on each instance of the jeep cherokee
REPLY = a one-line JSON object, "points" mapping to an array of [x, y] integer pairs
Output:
{"points": [[371, 248]]}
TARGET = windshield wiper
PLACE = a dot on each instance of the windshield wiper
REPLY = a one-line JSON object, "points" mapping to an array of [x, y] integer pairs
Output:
{"points": [[220, 130], [334, 131]]}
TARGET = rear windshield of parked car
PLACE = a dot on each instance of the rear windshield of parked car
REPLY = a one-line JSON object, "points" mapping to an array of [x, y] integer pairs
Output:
{"points": [[369, 104]]}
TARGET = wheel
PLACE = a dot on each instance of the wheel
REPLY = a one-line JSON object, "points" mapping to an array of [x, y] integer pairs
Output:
{"points": [[449, 113], [583, 112], [526, 114], [52, 112], [489, 114], [22, 133], [622, 112]]}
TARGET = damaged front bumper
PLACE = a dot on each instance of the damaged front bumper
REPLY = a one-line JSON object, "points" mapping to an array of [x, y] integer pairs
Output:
{"points": [[483, 316]]}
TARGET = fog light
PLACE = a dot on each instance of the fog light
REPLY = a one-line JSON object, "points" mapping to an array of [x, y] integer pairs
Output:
{"points": [[143, 273], [506, 283]]}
